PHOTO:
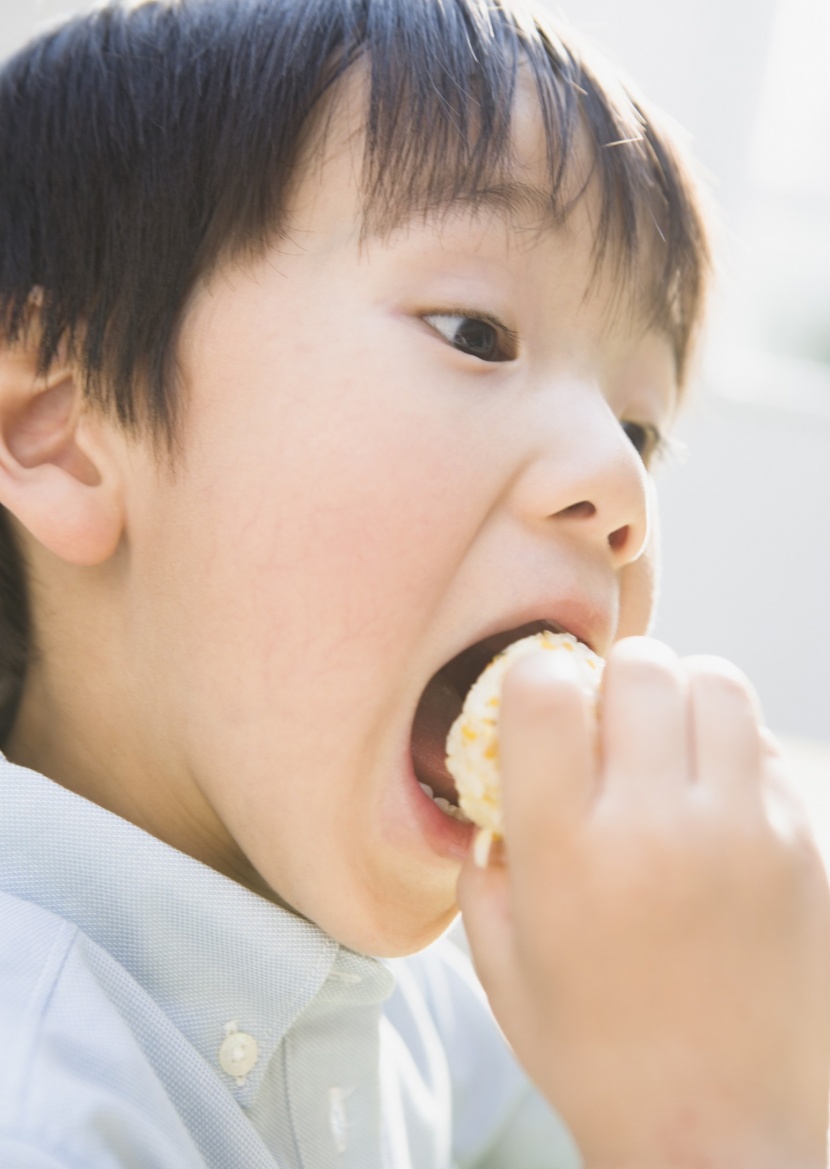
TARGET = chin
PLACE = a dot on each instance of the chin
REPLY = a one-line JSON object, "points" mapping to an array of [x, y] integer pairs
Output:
{"points": [[394, 932]]}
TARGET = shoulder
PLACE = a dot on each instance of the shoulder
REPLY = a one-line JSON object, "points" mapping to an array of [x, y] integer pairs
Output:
{"points": [[73, 1074]]}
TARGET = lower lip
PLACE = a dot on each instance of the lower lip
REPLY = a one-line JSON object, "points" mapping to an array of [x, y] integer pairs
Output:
{"points": [[445, 836]]}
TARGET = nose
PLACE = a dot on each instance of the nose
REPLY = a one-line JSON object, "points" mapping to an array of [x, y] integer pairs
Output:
{"points": [[589, 481]]}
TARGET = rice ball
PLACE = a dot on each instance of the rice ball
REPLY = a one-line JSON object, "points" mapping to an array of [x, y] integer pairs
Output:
{"points": [[473, 739]]}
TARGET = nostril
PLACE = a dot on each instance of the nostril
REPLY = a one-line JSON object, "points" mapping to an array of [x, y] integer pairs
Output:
{"points": [[584, 510]]}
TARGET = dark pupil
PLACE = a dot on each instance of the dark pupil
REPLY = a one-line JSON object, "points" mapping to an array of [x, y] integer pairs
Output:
{"points": [[637, 435], [477, 338]]}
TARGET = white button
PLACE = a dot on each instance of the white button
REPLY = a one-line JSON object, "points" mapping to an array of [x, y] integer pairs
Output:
{"points": [[238, 1053], [339, 1118]]}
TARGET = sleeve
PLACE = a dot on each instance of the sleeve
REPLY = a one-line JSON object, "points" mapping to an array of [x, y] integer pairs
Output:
{"points": [[500, 1120]]}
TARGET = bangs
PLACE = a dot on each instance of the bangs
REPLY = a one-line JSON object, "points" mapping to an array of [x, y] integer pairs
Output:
{"points": [[144, 143], [439, 132]]}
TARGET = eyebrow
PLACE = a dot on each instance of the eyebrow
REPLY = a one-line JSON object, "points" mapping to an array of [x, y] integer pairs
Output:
{"points": [[520, 205], [517, 202]]}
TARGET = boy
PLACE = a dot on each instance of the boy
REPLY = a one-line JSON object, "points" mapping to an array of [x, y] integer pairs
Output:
{"points": [[339, 336]]}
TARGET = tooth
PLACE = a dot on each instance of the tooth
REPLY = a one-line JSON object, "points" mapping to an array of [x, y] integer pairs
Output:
{"points": [[426, 789], [443, 804]]}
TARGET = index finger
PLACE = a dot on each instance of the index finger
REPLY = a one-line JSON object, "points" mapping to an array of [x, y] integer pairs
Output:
{"points": [[547, 742]]}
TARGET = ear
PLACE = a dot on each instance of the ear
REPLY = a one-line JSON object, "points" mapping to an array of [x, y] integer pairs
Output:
{"points": [[58, 471]]}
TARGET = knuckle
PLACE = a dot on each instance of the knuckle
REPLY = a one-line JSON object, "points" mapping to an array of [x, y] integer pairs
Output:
{"points": [[641, 661], [722, 677], [532, 684], [711, 666]]}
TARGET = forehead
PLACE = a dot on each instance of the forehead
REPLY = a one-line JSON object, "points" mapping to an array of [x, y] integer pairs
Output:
{"points": [[515, 204], [393, 182]]}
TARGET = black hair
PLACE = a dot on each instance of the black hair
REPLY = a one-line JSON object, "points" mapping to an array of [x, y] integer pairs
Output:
{"points": [[143, 144], [15, 632]]}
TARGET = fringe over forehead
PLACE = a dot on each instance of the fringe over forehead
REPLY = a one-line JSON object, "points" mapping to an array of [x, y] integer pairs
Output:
{"points": [[143, 144]]}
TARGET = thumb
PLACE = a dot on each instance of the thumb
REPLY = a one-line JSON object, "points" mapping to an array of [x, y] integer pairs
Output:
{"points": [[483, 895]]}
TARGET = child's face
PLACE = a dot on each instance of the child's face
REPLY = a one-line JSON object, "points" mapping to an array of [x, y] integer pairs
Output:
{"points": [[359, 500]]}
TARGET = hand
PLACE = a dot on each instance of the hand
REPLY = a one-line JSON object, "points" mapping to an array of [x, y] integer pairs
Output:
{"points": [[654, 937]]}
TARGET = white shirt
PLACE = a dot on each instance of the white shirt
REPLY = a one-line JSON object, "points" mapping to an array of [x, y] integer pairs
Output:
{"points": [[157, 1015]]}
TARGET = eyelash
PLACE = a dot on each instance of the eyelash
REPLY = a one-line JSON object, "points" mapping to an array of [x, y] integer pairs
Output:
{"points": [[650, 443], [509, 340]]}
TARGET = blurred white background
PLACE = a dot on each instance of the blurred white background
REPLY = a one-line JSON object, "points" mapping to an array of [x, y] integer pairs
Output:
{"points": [[747, 511]]}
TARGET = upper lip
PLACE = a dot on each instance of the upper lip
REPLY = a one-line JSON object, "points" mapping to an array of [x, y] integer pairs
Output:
{"points": [[592, 628], [463, 669]]}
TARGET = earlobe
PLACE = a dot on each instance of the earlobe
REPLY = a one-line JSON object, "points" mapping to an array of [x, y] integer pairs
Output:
{"points": [[57, 475]]}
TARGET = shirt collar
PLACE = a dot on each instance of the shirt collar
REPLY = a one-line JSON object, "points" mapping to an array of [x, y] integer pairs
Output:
{"points": [[212, 954]]}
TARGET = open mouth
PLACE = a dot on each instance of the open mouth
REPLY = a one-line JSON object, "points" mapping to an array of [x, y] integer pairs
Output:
{"points": [[441, 704]]}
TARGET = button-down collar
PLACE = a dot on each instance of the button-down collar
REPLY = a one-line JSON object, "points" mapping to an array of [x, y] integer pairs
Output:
{"points": [[218, 959]]}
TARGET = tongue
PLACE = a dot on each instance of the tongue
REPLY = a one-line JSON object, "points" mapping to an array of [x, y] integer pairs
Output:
{"points": [[437, 711]]}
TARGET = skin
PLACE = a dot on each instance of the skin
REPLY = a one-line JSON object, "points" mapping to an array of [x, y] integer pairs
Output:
{"points": [[231, 652], [662, 906], [246, 639]]}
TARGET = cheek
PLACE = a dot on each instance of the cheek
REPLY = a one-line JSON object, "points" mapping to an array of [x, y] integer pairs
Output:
{"points": [[638, 595], [333, 506], [329, 535], [640, 583]]}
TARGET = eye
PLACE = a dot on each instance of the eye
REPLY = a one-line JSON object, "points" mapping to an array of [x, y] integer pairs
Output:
{"points": [[479, 336], [646, 439]]}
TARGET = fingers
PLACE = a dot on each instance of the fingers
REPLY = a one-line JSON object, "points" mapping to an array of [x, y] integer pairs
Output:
{"points": [[668, 723], [667, 726], [484, 898], [547, 757], [546, 746], [646, 726], [547, 760], [575, 796], [727, 740]]}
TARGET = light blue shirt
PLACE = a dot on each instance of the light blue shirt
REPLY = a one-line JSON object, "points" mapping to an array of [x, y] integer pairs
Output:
{"points": [[157, 1015]]}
